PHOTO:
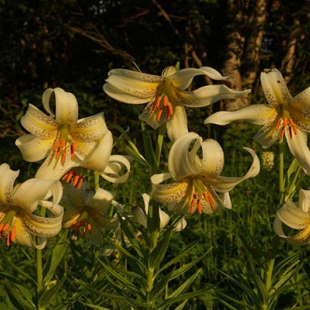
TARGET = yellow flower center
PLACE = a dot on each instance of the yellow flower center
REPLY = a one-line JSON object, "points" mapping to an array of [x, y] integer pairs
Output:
{"points": [[200, 193], [62, 143], [6, 228]]}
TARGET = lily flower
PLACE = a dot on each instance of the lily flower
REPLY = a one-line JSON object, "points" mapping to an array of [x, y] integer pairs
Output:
{"points": [[141, 216], [166, 95], [61, 139], [87, 212], [197, 183], [284, 115], [18, 221], [296, 216]]}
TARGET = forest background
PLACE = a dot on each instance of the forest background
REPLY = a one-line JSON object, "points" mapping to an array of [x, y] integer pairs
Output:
{"points": [[73, 44]]}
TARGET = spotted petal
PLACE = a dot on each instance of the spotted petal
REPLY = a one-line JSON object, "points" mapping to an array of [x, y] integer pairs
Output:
{"points": [[177, 125], [7, 180], [66, 106], [274, 87], [206, 95], [256, 114]]}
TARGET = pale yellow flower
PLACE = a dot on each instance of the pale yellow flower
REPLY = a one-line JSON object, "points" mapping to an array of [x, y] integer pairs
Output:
{"points": [[284, 115], [166, 95], [18, 203], [197, 183]]}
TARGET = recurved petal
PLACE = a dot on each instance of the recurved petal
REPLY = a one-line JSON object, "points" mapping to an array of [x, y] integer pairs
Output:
{"points": [[120, 95], [301, 103], [7, 180], [274, 87], [114, 170], [24, 237], [139, 216], [206, 95], [167, 193], [257, 114], [292, 216], [212, 162], [304, 200], [177, 125], [183, 160], [136, 88], [225, 184], [89, 129], [28, 194], [39, 124], [33, 148], [135, 75], [97, 156], [66, 106], [299, 148]]}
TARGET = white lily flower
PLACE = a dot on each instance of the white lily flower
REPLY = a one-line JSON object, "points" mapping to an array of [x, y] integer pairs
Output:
{"points": [[166, 95], [283, 115], [61, 139], [18, 223], [296, 216], [197, 181], [87, 212], [141, 216]]}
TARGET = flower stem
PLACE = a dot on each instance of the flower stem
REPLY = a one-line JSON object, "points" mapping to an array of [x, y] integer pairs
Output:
{"points": [[281, 167], [39, 273]]}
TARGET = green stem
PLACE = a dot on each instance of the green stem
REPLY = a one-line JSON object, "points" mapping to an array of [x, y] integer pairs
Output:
{"points": [[281, 167], [159, 145], [39, 273]]}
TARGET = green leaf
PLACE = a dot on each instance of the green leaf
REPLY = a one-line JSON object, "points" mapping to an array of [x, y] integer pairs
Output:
{"points": [[20, 296], [48, 295], [55, 258], [159, 251], [93, 306], [181, 255], [185, 285], [160, 286], [116, 274]]}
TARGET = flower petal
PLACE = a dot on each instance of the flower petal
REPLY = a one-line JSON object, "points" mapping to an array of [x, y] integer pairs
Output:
{"points": [[299, 148], [256, 114], [183, 160], [114, 167], [28, 194], [136, 75], [100, 201], [177, 125], [225, 184], [66, 106], [212, 162], [7, 180], [89, 129], [274, 87], [136, 88], [39, 124], [125, 97], [206, 95], [34, 149]]}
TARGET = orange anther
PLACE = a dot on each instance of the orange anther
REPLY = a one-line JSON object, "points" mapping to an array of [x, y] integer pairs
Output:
{"points": [[160, 112], [6, 227], [73, 148], [79, 185], [13, 234], [293, 126], [56, 145], [278, 124], [63, 156], [199, 207], [1, 226], [76, 180], [193, 204], [62, 143], [166, 101], [156, 104]]}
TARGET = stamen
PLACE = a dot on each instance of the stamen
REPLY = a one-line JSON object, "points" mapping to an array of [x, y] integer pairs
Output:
{"points": [[63, 156], [56, 145], [156, 104], [193, 204], [79, 185], [73, 148], [160, 112], [199, 207], [293, 126], [278, 124], [285, 121]]}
